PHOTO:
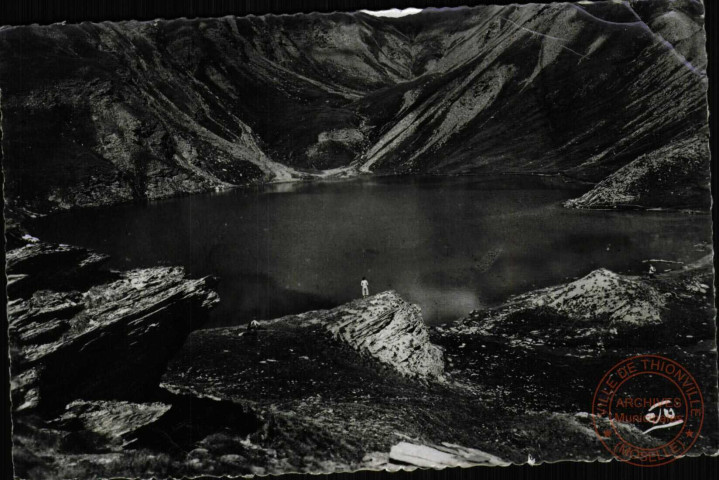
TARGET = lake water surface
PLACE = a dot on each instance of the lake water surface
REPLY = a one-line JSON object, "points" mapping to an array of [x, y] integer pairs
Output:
{"points": [[449, 244]]}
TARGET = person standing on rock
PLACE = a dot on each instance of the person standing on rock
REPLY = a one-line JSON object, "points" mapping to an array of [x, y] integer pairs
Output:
{"points": [[365, 287]]}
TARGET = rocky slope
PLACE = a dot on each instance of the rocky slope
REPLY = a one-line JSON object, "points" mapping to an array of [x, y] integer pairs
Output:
{"points": [[367, 386], [602, 294], [678, 23], [603, 310], [328, 405], [544, 350], [89, 345], [96, 334], [674, 176], [103, 113], [382, 330], [489, 378]]}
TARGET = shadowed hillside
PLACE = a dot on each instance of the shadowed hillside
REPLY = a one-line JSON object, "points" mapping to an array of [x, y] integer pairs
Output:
{"points": [[111, 112]]}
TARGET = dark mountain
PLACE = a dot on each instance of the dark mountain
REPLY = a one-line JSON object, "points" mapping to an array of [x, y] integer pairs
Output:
{"points": [[103, 113]]}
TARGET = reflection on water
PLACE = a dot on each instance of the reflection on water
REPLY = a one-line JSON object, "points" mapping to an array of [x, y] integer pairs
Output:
{"points": [[450, 245]]}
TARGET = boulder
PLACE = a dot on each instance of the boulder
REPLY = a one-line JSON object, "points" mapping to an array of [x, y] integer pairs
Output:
{"points": [[107, 341], [441, 456], [110, 418]]}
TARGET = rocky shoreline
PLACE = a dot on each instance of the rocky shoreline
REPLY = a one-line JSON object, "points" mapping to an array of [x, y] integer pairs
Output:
{"points": [[111, 375]]}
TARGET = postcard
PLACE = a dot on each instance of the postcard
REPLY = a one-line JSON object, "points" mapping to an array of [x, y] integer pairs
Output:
{"points": [[367, 240]]}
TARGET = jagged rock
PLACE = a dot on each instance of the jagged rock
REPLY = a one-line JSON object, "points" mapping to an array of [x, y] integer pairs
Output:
{"points": [[112, 419], [316, 345], [38, 265], [441, 456], [36, 257], [43, 317], [110, 341], [293, 395], [580, 318], [390, 330], [24, 388]]}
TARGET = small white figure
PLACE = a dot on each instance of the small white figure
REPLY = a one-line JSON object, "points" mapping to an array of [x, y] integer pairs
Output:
{"points": [[652, 271], [365, 287]]}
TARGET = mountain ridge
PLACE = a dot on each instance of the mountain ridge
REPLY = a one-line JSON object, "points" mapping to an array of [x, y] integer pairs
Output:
{"points": [[110, 112]]}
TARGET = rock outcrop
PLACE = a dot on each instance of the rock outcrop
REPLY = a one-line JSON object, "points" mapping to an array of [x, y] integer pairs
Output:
{"points": [[38, 265], [543, 351], [367, 386], [441, 456], [601, 311], [674, 176], [390, 330], [111, 419], [602, 294], [106, 341], [597, 311], [381, 330], [384, 327], [111, 112]]}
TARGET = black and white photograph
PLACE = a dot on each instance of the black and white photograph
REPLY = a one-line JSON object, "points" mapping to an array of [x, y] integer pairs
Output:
{"points": [[359, 240]]}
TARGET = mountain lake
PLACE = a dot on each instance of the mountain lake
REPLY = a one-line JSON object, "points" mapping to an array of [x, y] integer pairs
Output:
{"points": [[448, 244]]}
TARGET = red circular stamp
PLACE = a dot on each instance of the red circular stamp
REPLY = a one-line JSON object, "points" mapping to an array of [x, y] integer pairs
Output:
{"points": [[648, 410]]}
